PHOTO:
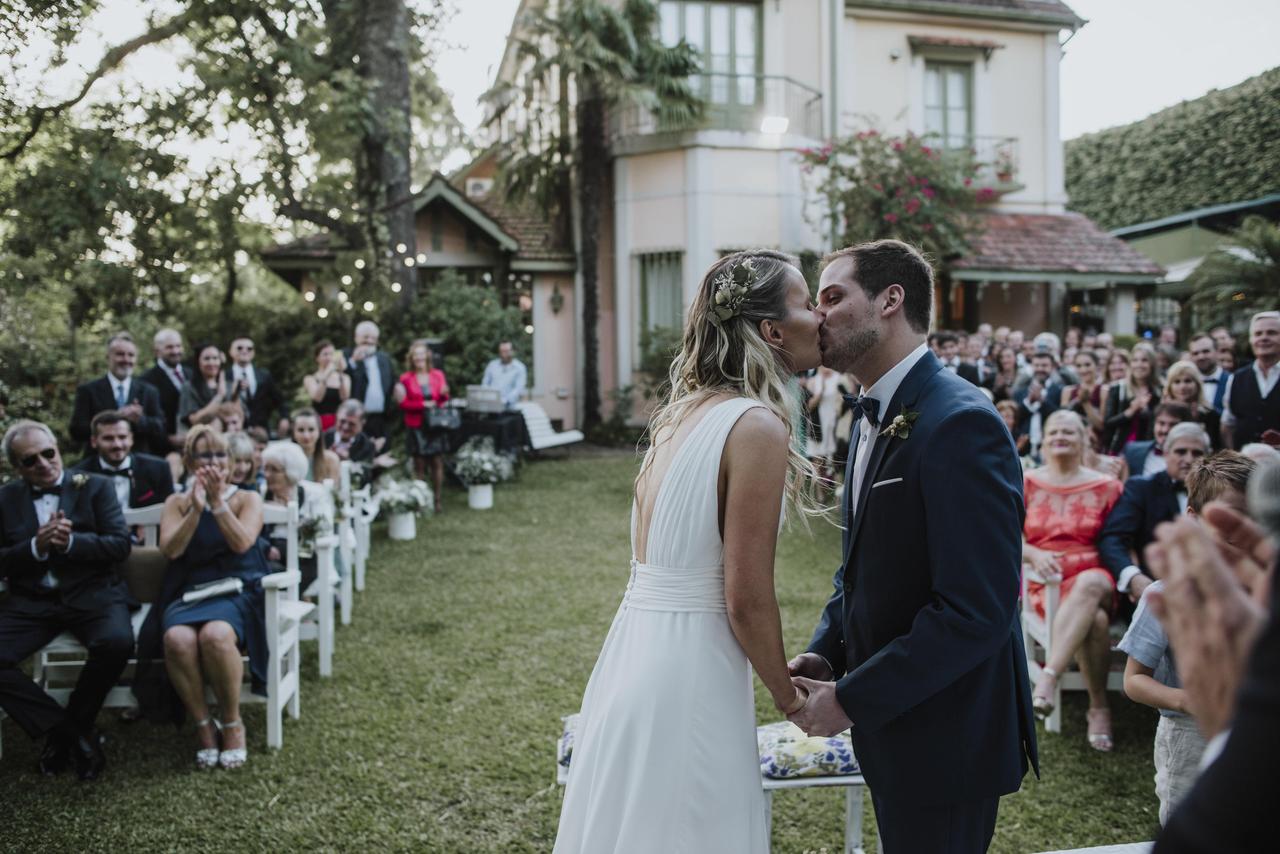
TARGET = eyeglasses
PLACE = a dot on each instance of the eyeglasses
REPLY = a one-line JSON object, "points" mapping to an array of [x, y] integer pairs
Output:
{"points": [[211, 455], [49, 454]]}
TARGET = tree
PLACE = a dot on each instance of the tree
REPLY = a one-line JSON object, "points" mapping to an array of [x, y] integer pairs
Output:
{"points": [[877, 186], [583, 61], [1240, 276]]}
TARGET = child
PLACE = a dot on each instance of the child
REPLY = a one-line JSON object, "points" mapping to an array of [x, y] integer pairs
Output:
{"points": [[1150, 676]]}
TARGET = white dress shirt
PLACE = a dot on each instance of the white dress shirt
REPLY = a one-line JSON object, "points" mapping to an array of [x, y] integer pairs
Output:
{"points": [[1154, 463], [122, 485], [246, 373], [883, 391], [510, 379], [172, 373], [1210, 383], [46, 506], [374, 400], [1265, 384], [120, 388]]}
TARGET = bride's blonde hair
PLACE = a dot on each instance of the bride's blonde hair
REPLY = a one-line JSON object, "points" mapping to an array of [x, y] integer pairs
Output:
{"points": [[724, 352]]}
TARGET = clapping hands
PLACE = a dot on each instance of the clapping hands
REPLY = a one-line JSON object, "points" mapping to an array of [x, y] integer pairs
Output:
{"points": [[821, 713], [54, 535]]}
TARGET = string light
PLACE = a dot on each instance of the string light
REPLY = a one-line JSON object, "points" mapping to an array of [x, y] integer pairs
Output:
{"points": [[401, 248], [422, 257], [395, 287], [309, 296], [408, 262], [368, 305], [346, 280], [342, 296], [346, 306], [322, 313], [359, 263]]}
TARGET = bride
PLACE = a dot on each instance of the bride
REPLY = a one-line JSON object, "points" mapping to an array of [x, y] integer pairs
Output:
{"points": [[665, 754]]}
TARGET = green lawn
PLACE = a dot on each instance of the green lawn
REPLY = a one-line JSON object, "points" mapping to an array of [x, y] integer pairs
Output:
{"points": [[437, 731]]}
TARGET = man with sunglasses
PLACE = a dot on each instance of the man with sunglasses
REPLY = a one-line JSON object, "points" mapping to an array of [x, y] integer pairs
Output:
{"points": [[61, 536], [255, 388]]}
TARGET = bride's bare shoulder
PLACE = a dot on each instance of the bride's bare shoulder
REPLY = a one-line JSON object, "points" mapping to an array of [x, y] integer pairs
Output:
{"points": [[759, 429]]}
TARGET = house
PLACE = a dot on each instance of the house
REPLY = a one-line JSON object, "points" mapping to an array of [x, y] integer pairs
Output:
{"points": [[1173, 184]]}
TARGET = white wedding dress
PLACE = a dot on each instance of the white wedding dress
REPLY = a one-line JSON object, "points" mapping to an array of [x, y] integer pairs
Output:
{"points": [[665, 756]]}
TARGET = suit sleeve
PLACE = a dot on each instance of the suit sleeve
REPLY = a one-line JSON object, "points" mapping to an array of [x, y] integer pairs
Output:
{"points": [[81, 414], [828, 637], [110, 539], [975, 556], [151, 423], [1120, 530]]}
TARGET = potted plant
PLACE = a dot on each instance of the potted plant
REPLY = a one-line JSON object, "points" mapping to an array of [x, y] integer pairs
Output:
{"points": [[403, 500], [479, 466], [1004, 165]]}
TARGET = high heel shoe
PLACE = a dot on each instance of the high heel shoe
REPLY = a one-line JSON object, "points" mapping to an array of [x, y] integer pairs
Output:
{"points": [[207, 757], [1042, 696], [237, 756]]}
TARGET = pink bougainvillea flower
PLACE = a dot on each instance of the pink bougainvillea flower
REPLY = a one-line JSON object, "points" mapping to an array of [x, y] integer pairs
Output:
{"points": [[890, 218], [930, 192]]}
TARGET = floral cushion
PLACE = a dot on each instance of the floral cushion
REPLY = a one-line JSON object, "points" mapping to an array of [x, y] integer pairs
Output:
{"points": [[785, 751]]}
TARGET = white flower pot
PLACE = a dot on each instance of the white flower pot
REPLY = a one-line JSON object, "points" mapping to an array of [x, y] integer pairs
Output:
{"points": [[480, 496], [402, 526]]}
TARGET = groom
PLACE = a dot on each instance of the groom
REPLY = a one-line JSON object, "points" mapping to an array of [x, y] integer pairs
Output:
{"points": [[921, 636]]}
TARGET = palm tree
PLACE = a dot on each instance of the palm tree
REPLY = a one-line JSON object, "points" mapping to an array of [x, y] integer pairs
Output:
{"points": [[585, 60], [1240, 276]]}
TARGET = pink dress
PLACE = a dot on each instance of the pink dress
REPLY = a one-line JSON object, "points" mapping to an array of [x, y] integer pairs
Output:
{"points": [[1067, 519]]}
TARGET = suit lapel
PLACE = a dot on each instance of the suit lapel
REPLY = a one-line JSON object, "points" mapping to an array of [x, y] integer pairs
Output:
{"points": [[67, 500], [28, 510]]}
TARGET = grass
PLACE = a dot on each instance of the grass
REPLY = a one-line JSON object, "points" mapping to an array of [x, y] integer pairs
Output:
{"points": [[437, 731]]}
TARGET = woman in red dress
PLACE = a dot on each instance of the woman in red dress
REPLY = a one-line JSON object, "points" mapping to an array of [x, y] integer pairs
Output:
{"points": [[1066, 507], [424, 386]]}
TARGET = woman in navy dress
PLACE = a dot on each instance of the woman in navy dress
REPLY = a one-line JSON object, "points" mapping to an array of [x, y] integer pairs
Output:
{"points": [[211, 533]]}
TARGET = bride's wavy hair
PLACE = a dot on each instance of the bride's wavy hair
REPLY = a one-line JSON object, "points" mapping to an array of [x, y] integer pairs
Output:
{"points": [[723, 352]]}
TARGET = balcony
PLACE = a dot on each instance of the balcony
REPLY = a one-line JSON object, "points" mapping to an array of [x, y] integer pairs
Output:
{"points": [[997, 160], [747, 103]]}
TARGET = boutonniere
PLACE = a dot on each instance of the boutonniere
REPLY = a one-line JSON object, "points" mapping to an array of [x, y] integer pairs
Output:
{"points": [[79, 480], [900, 427]]}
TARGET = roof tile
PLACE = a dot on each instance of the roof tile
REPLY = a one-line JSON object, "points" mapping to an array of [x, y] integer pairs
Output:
{"points": [[1052, 243]]}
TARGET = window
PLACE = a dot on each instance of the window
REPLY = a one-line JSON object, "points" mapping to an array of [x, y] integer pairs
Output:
{"points": [[661, 292], [727, 35], [948, 102]]}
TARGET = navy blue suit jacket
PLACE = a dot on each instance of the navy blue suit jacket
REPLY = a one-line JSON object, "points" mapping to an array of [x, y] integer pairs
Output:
{"points": [[1135, 455], [1131, 525], [923, 629]]}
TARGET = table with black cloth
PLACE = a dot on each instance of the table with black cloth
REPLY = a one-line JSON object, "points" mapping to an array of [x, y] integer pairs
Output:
{"points": [[505, 428]]}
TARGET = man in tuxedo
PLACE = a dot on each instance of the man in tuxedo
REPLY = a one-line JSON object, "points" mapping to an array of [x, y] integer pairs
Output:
{"points": [[61, 536], [1146, 502], [1038, 398], [949, 354], [255, 388], [1251, 405], [167, 376], [919, 650], [121, 391], [347, 438], [1147, 456], [1204, 354], [372, 378], [139, 480]]}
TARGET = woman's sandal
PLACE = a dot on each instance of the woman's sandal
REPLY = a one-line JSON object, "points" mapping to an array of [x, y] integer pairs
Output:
{"points": [[237, 756], [207, 757], [1100, 729], [1042, 696]]}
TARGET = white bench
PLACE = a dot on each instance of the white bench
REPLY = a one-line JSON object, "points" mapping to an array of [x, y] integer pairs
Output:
{"points": [[59, 663], [354, 511], [541, 434]]}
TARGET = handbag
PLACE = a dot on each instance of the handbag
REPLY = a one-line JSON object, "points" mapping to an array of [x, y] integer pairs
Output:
{"points": [[210, 589], [444, 418]]}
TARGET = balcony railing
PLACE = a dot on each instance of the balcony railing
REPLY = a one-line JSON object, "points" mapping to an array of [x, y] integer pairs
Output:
{"points": [[996, 158], [750, 103]]}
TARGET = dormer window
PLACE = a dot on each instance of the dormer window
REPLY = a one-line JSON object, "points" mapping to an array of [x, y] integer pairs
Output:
{"points": [[948, 102]]}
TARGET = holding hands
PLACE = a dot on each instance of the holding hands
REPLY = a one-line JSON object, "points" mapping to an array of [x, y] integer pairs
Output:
{"points": [[821, 713]]}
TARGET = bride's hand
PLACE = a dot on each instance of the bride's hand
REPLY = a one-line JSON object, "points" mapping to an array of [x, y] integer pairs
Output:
{"points": [[793, 704]]}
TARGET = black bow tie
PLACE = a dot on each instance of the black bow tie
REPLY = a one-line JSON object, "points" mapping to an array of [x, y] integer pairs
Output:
{"points": [[37, 492], [864, 407], [118, 472], [1179, 486], [1155, 449]]}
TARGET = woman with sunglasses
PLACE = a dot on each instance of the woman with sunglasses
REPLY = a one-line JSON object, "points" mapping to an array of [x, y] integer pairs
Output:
{"points": [[210, 535]]}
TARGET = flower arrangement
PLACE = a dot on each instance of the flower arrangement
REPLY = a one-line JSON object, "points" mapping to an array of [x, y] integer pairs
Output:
{"points": [[403, 496], [477, 463], [315, 519]]}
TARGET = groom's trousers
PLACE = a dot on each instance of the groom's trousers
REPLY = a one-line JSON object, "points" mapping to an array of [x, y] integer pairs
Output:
{"points": [[906, 827]]}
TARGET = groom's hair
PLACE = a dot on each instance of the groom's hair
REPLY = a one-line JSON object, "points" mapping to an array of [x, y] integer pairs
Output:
{"points": [[882, 263]]}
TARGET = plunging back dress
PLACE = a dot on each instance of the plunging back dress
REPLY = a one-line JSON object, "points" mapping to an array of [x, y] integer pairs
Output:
{"points": [[665, 753]]}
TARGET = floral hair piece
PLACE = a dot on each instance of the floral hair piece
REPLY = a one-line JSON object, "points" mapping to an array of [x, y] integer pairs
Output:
{"points": [[732, 287]]}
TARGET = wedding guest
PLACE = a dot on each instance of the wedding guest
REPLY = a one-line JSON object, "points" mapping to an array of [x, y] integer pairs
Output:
{"points": [[1038, 399], [1147, 457], [285, 467], [1131, 405], [372, 378], [322, 464], [1146, 503], [210, 535], [244, 472], [1212, 377], [139, 480], [204, 393], [330, 385], [1067, 505], [121, 391], [1250, 407], [1117, 367], [1072, 339], [260, 440], [1150, 675], [1261, 453], [1227, 360], [826, 396], [255, 388], [1222, 338], [1182, 384], [1007, 375], [1085, 399], [347, 439], [1009, 412], [507, 374], [232, 417], [948, 344], [61, 536], [421, 388], [1001, 335], [168, 375], [212, 420]]}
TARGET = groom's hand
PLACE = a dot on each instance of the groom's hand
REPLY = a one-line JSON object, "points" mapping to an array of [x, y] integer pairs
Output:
{"points": [[822, 715], [811, 666]]}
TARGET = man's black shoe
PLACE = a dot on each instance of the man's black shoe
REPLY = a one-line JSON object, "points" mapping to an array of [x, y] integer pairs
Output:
{"points": [[56, 756], [88, 755]]}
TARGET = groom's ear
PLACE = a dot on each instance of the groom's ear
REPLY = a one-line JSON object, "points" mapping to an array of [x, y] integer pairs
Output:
{"points": [[894, 299]]}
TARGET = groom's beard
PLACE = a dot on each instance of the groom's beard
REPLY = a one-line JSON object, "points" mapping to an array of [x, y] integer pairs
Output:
{"points": [[841, 355]]}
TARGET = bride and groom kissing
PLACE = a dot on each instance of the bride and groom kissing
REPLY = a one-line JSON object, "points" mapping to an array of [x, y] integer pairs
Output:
{"points": [[918, 651]]}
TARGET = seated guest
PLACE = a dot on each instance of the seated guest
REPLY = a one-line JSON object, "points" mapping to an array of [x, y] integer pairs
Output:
{"points": [[232, 417], [1147, 457], [210, 534], [424, 387], [139, 480], [1150, 676], [1067, 505], [1038, 399], [121, 391], [322, 464], [1227, 361], [1130, 408], [168, 376], [1007, 374], [1085, 399], [1145, 504], [372, 377], [1261, 453], [61, 536], [948, 344], [285, 467], [205, 393], [330, 385], [507, 374], [260, 440], [254, 388], [347, 439], [1182, 384], [1251, 405], [1009, 412], [1213, 378], [244, 469]]}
